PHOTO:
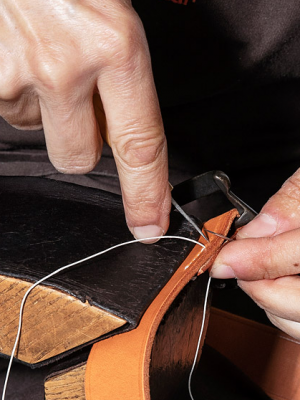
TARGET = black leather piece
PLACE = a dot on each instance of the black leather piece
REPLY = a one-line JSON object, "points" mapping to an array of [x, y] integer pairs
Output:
{"points": [[46, 224]]}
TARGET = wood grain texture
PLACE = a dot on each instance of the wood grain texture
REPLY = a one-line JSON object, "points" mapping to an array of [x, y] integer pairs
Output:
{"points": [[67, 385], [53, 321]]}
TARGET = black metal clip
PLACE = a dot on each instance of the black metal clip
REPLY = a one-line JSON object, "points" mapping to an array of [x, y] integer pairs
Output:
{"points": [[208, 184], [245, 211]]}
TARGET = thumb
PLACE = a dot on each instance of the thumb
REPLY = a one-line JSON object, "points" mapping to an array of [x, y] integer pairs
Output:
{"points": [[280, 214]]}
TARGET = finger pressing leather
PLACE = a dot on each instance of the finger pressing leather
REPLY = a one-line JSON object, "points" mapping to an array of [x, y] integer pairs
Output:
{"points": [[260, 258], [72, 134], [137, 139], [279, 297]]}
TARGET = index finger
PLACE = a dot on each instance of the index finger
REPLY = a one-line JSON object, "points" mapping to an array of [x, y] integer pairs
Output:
{"points": [[137, 137]]}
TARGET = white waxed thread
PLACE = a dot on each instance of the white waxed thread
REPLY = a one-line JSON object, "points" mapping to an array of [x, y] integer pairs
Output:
{"points": [[199, 339], [69, 266]]}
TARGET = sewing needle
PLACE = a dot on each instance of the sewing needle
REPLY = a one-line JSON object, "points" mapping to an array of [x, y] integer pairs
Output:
{"points": [[184, 214]]}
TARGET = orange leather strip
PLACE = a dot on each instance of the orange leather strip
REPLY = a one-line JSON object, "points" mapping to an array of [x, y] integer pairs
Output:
{"points": [[118, 367], [268, 356]]}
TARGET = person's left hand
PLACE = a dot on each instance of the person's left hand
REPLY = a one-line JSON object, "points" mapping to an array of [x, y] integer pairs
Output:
{"points": [[66, 63], [266, 258]]}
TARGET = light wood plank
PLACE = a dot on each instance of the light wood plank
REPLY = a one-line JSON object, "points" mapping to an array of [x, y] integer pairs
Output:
{"points": [[53, 321], [67, 385]]}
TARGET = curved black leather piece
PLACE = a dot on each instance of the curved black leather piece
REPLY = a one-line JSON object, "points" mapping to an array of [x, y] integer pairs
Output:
{"points": [[46, 224]]}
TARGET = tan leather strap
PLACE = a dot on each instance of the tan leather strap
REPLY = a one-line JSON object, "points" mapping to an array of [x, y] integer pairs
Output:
{"points": [[268, 356], [118, 367]]}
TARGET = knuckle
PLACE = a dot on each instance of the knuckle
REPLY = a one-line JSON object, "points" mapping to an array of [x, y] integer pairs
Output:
{"points": [[142, 204], [124, 40], [11, 85], [146, 205], [26, 122], [260, 299], [54, 69], [273, 257], [137, 150], [269, 259], [22, 114], [291, 188], [286, 201], [259, 292], [52, 75], [9, 91]]}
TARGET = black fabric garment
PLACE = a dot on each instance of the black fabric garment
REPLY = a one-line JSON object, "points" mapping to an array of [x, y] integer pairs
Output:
{"points": [[227, 76], [208, 47]]}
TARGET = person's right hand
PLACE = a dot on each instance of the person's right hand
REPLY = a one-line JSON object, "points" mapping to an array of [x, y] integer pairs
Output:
{"points": [[55, 56], [266, 258]]}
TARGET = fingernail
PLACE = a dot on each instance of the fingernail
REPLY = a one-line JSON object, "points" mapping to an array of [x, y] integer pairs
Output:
{"points": [[222, 271], [143, 232], [262, 226]]}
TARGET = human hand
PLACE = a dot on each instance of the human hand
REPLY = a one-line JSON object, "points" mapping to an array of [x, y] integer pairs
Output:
{"points": [[266, 258], [55, 57]]}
